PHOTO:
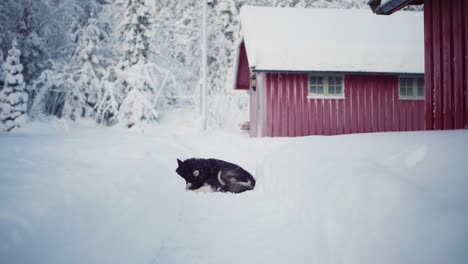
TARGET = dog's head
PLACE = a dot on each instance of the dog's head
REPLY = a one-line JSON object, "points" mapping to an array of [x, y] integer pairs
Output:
{"points": [[192, 172]]}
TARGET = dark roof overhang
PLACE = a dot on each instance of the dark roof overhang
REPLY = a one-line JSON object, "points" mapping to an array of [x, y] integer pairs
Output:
{"points": [[391, 6]]}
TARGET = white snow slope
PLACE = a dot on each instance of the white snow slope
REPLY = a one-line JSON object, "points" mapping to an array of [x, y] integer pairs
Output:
{"points": [[81, 194]]}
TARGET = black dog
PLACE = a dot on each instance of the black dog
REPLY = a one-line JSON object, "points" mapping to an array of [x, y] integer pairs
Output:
{"points": [[220, 175]]}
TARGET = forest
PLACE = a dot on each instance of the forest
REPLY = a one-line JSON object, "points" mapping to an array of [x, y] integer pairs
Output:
{"points": [[123, 62]]}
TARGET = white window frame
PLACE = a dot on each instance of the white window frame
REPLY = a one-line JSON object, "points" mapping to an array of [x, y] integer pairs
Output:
{"points": [[414, 87], [325, 94]]}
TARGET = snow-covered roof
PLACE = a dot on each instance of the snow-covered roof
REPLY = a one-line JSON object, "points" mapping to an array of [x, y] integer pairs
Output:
{"points": [[338, 40]]}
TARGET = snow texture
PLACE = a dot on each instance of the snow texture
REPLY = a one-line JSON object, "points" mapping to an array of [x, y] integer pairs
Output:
{"points": [[71, 192], [297, 39]]}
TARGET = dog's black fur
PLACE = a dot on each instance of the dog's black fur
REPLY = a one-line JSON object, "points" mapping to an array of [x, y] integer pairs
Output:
{"points": [[220, 175]]}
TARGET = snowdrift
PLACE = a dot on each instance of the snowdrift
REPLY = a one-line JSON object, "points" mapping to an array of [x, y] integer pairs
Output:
{"points": [[81, 194]]}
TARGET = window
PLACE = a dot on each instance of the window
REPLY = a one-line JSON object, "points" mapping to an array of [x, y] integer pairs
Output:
{"points": [[411, 88], [326, 86]]}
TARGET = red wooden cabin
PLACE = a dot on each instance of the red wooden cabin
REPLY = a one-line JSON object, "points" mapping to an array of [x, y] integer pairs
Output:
{"points": [[319, 72], [446, 57]]}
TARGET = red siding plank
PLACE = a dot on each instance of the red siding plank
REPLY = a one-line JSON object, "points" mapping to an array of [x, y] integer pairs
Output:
{"points": [[382, 118], [407, 115], [393, 107], [284, 106], [313, 112], [402, 115], [268, 112], [347, 105], [387, 106], [421, 123], [340, 114], [354, 105], [465, 52], [333, 112], [429, 66], [275, 104], [263, 106], [312, 104], [297, 105], [437, 55], [305, 105], [291, 105], [326, 117], [375, 105], [368, 105], [416, 115], [253, 113], [318, 116], [361, 106], [410, 111], [458, 63], [272, 103], [447, 78]]}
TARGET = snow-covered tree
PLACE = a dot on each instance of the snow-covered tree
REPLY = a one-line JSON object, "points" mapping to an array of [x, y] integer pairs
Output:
{"points": [[137, 107], [108, 105], [2, 77], [136, 32], [13, 98], [88, 70], [50, 91]]}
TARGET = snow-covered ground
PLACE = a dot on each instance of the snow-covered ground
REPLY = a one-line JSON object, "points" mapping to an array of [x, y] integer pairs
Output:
{"points": [[77, 193]]}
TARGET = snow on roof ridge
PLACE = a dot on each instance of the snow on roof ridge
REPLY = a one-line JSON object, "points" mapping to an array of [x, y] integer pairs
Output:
{"points": [[303, 39]]}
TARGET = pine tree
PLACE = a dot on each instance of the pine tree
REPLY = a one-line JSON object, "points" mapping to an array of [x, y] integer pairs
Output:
{"points": [[137, 106], [136, 33], [2, 76], [13, 98], [108, 105], [88, 70]]}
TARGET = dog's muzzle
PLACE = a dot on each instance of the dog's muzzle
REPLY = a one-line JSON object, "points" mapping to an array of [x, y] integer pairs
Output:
{"points": [[187, 186]]}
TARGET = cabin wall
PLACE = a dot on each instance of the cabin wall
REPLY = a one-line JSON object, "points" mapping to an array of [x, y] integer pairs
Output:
{"points": [[242, 70], [254, 112], [446, 64], [371, 104]]}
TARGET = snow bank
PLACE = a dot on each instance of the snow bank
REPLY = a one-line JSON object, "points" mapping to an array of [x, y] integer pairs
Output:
{"points": [[94, 195]]}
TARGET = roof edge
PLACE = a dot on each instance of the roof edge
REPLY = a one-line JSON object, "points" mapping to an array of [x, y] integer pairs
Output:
{"points": [[391, 6], [340, 72]]}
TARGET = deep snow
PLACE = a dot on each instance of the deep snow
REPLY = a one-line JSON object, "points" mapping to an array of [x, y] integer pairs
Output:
{"points": [[76, 193]]}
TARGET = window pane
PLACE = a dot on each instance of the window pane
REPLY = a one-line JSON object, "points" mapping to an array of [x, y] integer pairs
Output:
{"points": [[312, 80], [420, 87], [331, 81], [402, 91], [331, 89], [320, 80], [320, 89], [338, 90], [313, 89]]}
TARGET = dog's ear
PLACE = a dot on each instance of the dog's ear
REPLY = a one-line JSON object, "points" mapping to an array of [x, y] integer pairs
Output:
{"points": [[179, 162]]}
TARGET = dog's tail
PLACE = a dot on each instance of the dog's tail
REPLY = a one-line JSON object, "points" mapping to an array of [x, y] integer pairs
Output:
{"points": [[238, 187]]}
